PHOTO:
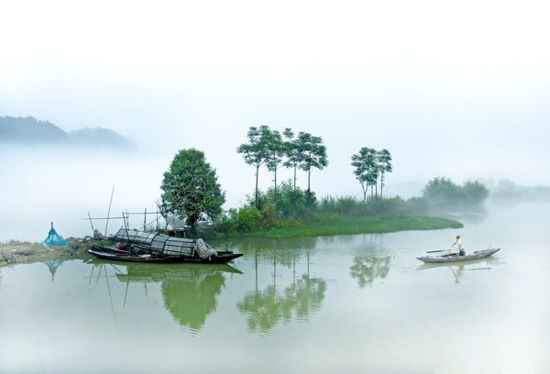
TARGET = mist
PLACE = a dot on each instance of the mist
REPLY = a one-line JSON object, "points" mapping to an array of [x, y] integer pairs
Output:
{"points": [[465, 102]]}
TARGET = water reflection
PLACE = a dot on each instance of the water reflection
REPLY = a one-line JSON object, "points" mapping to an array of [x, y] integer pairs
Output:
{"points": [[366, 269], [53, 265], [283, 251], [457, 270], [190, 292], [266, 308], [370, 261]]}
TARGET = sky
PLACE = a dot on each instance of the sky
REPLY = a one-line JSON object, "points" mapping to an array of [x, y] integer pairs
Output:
{"points": [[457, 89]]}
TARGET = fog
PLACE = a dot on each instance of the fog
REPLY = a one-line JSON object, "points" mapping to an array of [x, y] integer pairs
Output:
{"points": [[456, 91]]}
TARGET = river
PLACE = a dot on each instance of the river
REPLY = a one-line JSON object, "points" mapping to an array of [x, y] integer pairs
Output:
{"points": [[359, 303]]}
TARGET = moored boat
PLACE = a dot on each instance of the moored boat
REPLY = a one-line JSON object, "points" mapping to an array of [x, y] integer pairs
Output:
{"points": [[455, 257], [115, 254], [142, 246]]}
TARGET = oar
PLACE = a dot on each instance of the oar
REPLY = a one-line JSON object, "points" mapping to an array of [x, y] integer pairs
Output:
{"points": [[439, 250]]}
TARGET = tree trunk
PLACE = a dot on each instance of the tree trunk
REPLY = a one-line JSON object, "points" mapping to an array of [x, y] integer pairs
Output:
{"points": [[381, 183], [295, 178], [275, 202], [256, 193], [308, 189]]}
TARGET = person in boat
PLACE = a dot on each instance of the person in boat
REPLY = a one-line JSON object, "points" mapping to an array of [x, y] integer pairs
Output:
{"points": [[458, 244]]}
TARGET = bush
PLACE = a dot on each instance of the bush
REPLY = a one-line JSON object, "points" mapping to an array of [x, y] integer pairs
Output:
{"points": [[442, 191], [290, 202]]}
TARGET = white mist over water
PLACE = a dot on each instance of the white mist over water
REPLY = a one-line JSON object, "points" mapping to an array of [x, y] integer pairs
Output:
{"points": [[62, 185]]}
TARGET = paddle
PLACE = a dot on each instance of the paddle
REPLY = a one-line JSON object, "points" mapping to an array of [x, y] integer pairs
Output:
{"points": [[440, 250]]}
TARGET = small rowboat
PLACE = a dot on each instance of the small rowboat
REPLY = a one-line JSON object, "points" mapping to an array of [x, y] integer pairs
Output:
{"points": [[455, 257]]}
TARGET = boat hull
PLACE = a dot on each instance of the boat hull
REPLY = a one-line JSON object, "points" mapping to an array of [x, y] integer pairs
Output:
{"points": [[114, 254], [456, 258]]}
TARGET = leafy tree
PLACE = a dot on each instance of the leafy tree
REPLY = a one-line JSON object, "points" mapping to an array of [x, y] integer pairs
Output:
{"points": [[256, 151], [365, 169], [383, 159], [190, 188], [314, 154], [441, 190], [475, 192], [293, 152]]}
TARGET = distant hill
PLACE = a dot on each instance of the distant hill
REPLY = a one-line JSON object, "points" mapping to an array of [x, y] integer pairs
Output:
{"points": [[29, 130], [98, 136]]}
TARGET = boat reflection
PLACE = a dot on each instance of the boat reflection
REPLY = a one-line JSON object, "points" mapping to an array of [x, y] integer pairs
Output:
{"points": [[190, 291], [458, 269]]}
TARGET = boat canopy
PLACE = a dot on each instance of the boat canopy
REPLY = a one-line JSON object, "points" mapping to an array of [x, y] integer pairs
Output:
{"points": [[159, 243]]}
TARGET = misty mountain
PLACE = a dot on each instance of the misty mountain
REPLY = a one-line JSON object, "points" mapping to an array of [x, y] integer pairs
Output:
{"points": [[31, 131]]}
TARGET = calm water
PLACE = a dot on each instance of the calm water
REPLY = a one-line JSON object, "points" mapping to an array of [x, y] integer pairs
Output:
{"points": [[340, 304]]}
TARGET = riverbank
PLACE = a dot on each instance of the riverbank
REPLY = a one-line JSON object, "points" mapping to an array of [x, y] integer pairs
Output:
{"points": [[328, 225], [15, 252]]}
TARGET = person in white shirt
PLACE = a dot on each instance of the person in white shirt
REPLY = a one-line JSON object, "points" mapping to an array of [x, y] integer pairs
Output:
{"points": [[458, 244]]}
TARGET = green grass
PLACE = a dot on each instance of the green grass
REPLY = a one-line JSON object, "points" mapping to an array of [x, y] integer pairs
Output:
{"points": [[327, 225]]}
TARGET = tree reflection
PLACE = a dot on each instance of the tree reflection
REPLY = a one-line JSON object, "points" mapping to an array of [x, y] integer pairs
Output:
{"points": [[368, 268], [190, 292], [265, 308]]}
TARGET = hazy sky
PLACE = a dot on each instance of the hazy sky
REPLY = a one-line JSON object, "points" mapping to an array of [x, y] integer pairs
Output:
{"points": [[460, 89]]}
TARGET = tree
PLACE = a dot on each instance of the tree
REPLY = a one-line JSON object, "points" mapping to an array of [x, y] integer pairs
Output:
{"points": [[293, 152], [256, 152], [190, 187], [383, 159], [275, 153], [365, 169], [314, 154]]}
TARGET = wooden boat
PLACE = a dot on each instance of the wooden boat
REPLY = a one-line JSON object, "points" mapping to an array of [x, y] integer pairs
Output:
{"points": [[116, 254], [455, 257]]}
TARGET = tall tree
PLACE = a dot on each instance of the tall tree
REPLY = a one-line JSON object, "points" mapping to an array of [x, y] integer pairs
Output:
{"points": [[383, 159], [314, 155], [365, 171], [293, 152], [256, 152], [275, 154], [190, 187]]}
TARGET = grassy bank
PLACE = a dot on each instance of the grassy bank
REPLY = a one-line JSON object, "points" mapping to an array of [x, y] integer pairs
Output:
{"points": [[326, 225]]}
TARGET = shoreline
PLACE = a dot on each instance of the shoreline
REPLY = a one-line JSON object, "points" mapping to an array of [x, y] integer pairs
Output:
{"points": [[332, 225], [15, 252]]}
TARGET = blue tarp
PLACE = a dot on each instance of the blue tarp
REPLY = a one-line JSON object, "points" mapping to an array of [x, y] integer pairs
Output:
{"points": [[54, 238]]}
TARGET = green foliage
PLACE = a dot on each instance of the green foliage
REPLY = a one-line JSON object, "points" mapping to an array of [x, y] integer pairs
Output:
{"points": [[443, 191], [366, 169], [341, 205], [383, 160], [190, 188], [290, 202], [256, 151], [313, 154], [335, 224], [475, 192], [370, 165]]}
